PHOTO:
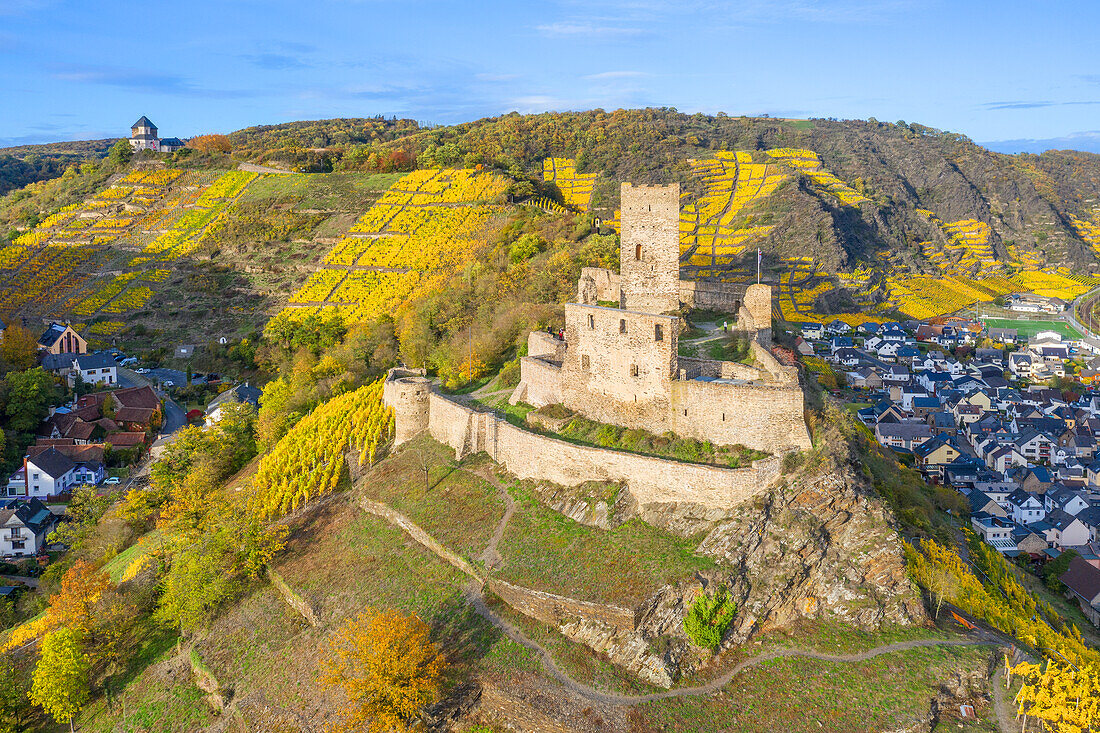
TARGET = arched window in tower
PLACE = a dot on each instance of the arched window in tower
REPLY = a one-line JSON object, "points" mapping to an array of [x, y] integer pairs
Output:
{"points": [[637, 251]]}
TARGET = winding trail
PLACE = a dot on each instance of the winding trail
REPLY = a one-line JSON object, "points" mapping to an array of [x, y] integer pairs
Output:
{"points": [[476, 598], [1005, 719], [474, 594], [490, 556]]}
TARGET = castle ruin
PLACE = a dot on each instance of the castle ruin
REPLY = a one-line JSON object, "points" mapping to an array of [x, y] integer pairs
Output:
{"points": [[621, 365]]}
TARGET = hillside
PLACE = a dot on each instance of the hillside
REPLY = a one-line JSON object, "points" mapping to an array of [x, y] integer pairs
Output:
{"points": [[856, 219]]}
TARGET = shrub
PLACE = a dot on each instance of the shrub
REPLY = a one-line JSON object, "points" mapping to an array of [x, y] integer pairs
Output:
{"points": [[708, 618]]}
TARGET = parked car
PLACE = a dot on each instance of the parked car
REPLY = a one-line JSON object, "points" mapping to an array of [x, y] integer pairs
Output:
{"points": [[142, 370], [114, 480], [169, 383], [129, 360]]}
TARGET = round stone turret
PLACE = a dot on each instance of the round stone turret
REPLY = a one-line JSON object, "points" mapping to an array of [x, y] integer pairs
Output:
{"points": [[409, 397]]}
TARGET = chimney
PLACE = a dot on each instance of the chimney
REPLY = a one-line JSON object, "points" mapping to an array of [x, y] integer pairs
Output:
{"points": [[26, 478]]}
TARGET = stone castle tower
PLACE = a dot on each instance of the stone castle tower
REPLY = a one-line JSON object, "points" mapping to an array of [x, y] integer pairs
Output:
{"points": [[649, 253]]}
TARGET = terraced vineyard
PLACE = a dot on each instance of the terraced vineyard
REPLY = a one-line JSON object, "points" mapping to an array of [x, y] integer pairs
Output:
{"points": [[576, 188], [712, 234], [47, 268], [429, 221], [809, 164]]}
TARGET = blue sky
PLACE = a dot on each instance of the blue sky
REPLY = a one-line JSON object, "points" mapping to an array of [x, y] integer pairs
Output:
{"points": [[1019, 71]]}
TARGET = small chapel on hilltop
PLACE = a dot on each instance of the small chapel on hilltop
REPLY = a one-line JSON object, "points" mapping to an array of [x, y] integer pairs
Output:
{"points": [[143, 136]]}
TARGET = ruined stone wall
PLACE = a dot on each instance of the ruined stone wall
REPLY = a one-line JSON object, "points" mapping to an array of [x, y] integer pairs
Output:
{"points": [[649, 255], [541, 343], [649, 479], [539, 384], [598, 284], [618, 361], [767, 418], [756, 313], [715, 296]]}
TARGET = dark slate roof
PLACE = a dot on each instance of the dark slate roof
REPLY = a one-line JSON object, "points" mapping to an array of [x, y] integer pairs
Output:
{"points": [[53, 463], [95, 361], [1082, 578], [50, 336], [143, 121], [173, 141], [57, 362], [1059, 520], [904, 430]]}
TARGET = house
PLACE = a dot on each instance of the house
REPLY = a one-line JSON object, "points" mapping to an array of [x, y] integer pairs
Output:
{"points": [[24, 526], [94, 369], [865, 378], [902, 436], [1066, 500], [942, 423], [839, 342], [1020, 364], [240, 393], [812, 330], [1003, 335], [1065, 530], [1004, 457], [981, 503], [935, 453], [48, 474], [838, 327], [803, 347], [1082, 581], [1025, 508], [994, 532], [1028, 540], [62, 339]]}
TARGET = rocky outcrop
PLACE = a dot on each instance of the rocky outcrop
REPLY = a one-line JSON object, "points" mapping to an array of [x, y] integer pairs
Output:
{"points": [[821, 547]]}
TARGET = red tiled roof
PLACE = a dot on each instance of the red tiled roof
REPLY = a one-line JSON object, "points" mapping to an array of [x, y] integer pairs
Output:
{"points": [[75, 452], [138, 397], [141, 415], [125, 440]]}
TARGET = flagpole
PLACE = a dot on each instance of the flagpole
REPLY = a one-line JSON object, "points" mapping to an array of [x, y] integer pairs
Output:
{"points": [[757, 265]]}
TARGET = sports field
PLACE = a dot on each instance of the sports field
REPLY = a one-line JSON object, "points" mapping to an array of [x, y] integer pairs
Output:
{"points": [[1030, 328]]}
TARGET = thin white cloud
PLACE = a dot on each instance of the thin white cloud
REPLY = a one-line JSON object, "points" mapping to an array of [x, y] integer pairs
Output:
{"points": [[579, 29], [617, 75], [496, 77]]}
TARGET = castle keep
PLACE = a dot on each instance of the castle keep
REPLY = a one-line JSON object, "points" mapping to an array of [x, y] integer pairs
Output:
{"points": [[621, 366]]}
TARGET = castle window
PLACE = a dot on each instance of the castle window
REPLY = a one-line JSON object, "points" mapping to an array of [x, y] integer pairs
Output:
{"points": [[622, 325], [637, 251], [685, 412], [633, 370], [584, 361], [591, 321], [658, 333]]}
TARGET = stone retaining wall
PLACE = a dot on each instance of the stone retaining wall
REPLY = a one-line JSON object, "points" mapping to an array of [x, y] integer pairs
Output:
{"points": [[553, 609]]}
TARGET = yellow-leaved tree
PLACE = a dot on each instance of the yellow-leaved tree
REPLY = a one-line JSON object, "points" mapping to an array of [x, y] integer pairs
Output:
{"points": [[388, 668], [60, 682]]}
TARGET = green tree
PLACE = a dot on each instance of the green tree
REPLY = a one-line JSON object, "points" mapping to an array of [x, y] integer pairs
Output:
{"points": [[30, 394], [708, 618], [121, 153], [14, 707], [60, 683], [18, 348], [1053, 570]]}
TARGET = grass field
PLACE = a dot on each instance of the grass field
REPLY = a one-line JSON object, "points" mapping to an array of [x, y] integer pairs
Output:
{"points": [[1030, 328], [798, 694]]}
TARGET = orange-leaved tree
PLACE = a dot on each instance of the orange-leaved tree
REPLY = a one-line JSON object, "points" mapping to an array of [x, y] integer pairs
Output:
{"points": [[210, 144], [387, 666]]}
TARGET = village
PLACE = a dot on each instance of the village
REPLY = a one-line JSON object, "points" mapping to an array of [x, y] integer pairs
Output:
{"points": [[971, 408], [101, 437]]}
